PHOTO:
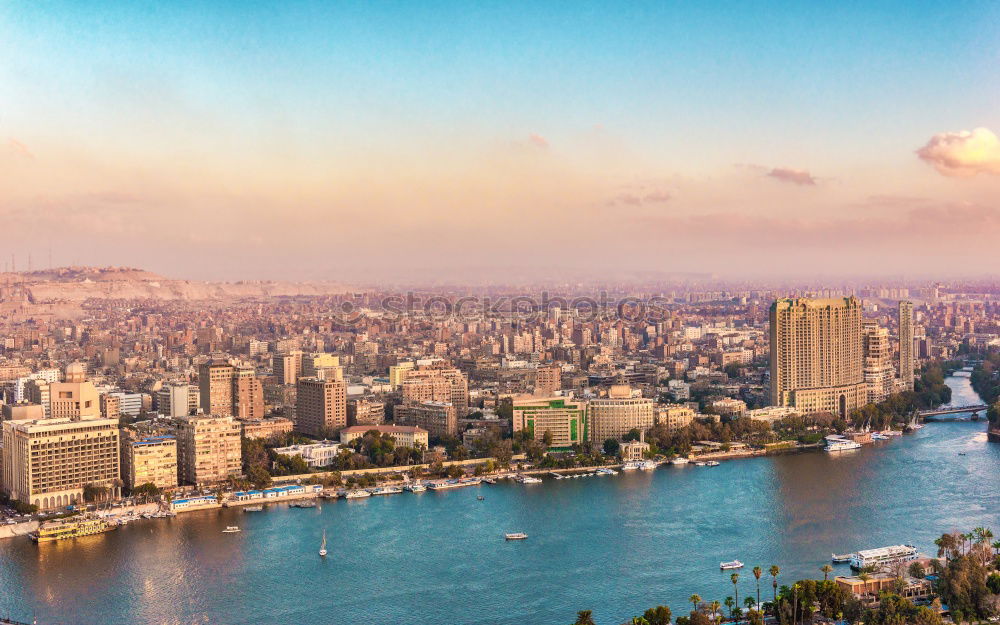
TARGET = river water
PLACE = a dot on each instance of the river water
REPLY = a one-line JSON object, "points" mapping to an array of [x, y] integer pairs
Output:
{"points": [[615, 544]]}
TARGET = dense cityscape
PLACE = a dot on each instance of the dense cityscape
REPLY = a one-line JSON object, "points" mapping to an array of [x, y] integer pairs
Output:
{"points": [[464, 313], [118, 410]]}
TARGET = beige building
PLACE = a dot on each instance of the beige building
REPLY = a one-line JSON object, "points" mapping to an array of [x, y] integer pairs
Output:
{"points": [[548, 380], [878, 371], [906, 364], [397, 373], [266, 428], [111, 405], [817, 355], [215, 385], [149, 460], [208, 449], [674, 417], [47, 462], [323, 366], [320, 406], [403, 436], [437, 384], [74, 400], [365, 412], [248, 394], [178, 400], [437, 417], [287, 367], [616, 415], [22, 412]]}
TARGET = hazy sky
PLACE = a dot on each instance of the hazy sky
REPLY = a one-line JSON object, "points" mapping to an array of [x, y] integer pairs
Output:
{"points": [[414, 140]]}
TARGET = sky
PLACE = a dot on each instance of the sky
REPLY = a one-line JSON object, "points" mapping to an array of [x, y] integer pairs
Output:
{"points": [[429, 141]]}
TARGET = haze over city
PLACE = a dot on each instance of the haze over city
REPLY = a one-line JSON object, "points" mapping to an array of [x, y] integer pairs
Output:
{"points": [[477, 141]]}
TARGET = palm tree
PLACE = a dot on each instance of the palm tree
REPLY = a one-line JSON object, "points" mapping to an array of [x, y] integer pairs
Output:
{"points": [[584, 617], [757, 572], [748, 602], [734, 578], [730, 604], [827, 569], [996, 547], [695, 600], [795, 603], [864, 577], [774, 585], [715, 606]]}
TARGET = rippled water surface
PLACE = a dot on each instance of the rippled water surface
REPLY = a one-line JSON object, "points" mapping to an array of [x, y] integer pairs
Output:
{"points": [[616, 545]]}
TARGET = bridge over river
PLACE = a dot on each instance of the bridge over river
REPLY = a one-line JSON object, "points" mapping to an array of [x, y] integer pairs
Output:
{"points": [[949, 410]]}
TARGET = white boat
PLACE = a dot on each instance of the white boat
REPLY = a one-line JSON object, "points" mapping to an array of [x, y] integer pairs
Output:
{"points": [[699, 463], [883, 556], [253, 509], [415, 487], [231, 529], [647, 465], [679, 460], [322, 545], [357, 494], [733, 564], [631, 465], [841, 558], [712, 463], [528, 479], [842, 445], [606, 472], [515, 536], [387, 490]]}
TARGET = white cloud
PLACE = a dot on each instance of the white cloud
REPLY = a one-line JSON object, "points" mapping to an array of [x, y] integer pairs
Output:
{"points": [[963, 154]]}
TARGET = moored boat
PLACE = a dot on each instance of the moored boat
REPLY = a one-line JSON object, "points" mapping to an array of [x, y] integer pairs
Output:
{"points": [[62, 529], [357, 494], [841, 558]]}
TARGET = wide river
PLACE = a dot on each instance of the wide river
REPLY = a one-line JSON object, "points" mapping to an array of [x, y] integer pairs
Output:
{"points": [[615, 544]]}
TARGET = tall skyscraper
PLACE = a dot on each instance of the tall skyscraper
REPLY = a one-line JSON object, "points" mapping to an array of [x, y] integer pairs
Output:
{"points": [[878, 362], [817, 355], [906, 345]]}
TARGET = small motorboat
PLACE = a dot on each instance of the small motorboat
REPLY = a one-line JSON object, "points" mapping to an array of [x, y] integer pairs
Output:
{"points": [[712, 463], [480, 498], [515, 536], [231, 529], [322, 546], [732, 564]]}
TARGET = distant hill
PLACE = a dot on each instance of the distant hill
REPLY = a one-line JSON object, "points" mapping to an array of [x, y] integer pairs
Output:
{"points": [[77, 284]]}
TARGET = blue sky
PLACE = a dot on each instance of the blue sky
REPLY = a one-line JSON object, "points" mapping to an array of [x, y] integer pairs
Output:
{"points": [[637, 91]]}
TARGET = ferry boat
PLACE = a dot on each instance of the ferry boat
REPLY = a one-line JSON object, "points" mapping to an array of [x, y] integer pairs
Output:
{"points": [[835, 442], [883, 556], [732, 564], [444, 485], [515, 536], [679, 460], [387, 490], [528, 479], [357, 494], [415, 487], [62, 529], [231, 529], [841, 558], [631, 465]]}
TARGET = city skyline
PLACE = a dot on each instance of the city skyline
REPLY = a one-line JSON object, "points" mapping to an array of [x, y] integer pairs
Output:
{"points": [[452, 142]]}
